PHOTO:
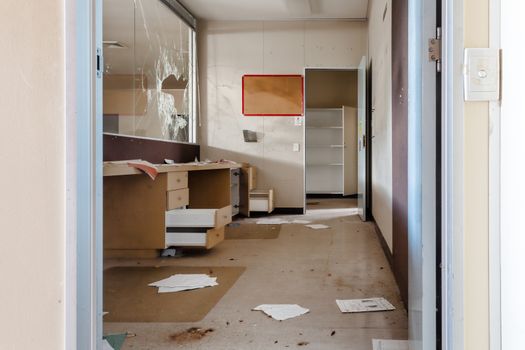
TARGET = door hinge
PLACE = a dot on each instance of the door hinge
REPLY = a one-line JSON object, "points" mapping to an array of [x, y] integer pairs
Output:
{"points": [[99, 63], [434, 49]]}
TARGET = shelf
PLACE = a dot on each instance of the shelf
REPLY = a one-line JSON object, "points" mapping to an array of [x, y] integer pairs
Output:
{"points": [[324, 127], [326, 146], [324, 192], [325, 164], [324, 109]]}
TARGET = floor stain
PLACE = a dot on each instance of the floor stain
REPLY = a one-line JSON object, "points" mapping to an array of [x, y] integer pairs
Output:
{"points": [[190, 334]]}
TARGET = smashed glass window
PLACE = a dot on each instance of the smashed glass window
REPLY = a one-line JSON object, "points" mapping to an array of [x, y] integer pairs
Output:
{"points": [[149, 75]]}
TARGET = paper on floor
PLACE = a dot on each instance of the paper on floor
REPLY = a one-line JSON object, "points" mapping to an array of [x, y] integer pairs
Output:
{"points": [[106, 345], [180, 282], [299, 221], [281, 312], [364, 305], [389, 344], [317, 226], [270, 221]]}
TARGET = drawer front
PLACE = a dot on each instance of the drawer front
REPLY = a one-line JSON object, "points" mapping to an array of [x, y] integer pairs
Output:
{"points": [[177, 198], [177, 180], [214, 237], [259, 204], [223, 216]]}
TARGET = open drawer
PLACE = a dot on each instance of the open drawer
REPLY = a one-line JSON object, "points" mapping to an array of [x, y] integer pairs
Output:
{"points": [[194, 237], [207, 218]]}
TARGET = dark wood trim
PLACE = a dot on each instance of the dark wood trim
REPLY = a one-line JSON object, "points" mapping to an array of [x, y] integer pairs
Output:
{"points": [[120, 147]]}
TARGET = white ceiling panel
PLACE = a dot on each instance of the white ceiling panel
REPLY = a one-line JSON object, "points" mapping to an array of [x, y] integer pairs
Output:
{"points": [[235, 10]]}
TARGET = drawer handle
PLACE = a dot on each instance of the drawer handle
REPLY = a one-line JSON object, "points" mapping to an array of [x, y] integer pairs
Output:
{"points": [[179, 198], [178, 180], [225, 217]]}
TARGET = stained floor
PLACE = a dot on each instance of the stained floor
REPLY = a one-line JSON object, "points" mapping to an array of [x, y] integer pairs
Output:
{"points": [[302, 266]]}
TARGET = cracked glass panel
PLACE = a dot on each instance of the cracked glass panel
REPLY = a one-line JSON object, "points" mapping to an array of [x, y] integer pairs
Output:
{"points": [[149, 76]]}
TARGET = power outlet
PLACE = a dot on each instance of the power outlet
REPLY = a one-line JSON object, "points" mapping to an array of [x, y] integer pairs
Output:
{"points": [[296, 147]]}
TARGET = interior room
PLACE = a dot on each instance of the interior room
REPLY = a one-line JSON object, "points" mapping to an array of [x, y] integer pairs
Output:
{"points": [[248, 176]]}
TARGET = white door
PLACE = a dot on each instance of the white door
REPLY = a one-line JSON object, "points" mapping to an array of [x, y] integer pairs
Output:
{"points": [[361, 139], [350, 150]]}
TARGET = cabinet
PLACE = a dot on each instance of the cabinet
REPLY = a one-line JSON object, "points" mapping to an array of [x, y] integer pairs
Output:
{"points": [[331, 150], [186, 205]]}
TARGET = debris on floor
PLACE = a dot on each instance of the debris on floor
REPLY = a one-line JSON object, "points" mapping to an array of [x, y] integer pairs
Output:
{"points": [[332, 334], [303, 343], [271, 221], [114, 341], [168, 253], [191, 334], [106, 345], [281, 312], [389, 344], [317, 226], [299, 221], [364, 305], [181, 282]]}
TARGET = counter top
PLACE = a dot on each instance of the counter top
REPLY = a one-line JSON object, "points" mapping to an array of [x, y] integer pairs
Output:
{"points": [[119, 168]]}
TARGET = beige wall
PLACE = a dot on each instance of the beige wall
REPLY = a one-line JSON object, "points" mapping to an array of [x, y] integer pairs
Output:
{"points": [[380, 54], [476, 186], [32, 178], [229, 50]]}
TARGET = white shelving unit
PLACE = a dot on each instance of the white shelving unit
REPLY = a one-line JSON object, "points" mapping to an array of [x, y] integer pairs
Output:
{"points": [[327, 150]]}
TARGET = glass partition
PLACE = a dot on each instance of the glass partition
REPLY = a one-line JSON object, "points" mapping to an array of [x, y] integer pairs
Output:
{"points": [[149, 72]]}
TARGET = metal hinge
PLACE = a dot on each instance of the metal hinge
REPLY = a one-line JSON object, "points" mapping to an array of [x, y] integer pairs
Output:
{"points": [[434, 49], [99, 63]]}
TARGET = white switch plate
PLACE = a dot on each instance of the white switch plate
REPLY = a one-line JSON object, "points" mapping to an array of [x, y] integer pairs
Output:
{"points": [[298, 121], [296, 147], [481, 74]]}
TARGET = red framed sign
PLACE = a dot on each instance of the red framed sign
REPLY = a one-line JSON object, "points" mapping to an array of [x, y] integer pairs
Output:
{"points": [[272, 95]]}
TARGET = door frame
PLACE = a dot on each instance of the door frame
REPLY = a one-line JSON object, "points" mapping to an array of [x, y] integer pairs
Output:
{"points": [[83, 249], [422, 176], [345, 68]]}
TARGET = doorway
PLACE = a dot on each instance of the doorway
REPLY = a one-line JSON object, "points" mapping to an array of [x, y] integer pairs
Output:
{"points": [[331, 136]]}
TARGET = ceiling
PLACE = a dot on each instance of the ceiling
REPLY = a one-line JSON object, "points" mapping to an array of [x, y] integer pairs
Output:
{"points": [[232, 10]]}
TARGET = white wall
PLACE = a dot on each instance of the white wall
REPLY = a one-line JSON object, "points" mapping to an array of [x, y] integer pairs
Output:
{"points": [[32, 184], [227, 51], [380, 54]]}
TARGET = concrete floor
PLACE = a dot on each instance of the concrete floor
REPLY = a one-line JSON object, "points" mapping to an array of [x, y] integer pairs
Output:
{"points": [[308, 267]]}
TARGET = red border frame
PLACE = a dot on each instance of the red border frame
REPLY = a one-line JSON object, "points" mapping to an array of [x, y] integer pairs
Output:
{"points": [[274, 75]]}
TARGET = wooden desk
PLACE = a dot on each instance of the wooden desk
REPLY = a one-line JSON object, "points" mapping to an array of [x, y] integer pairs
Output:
{"points": [[135, 206]]}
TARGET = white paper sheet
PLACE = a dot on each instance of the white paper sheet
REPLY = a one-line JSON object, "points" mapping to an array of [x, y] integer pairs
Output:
{"points": [[106, 345], [181, 282], [317, 226], [269, 221], [281, 312], [184, 280], [389, 344], [364, 305], [180, 289], [299, 221]]}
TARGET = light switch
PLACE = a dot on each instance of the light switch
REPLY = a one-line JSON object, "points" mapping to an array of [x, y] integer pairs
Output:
{"points": [[296, 147], [481, 74]]}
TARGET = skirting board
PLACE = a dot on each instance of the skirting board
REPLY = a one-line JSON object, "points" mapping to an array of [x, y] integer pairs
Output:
{"points": [[384, 245], [388, 344], [278, 211]]}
